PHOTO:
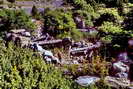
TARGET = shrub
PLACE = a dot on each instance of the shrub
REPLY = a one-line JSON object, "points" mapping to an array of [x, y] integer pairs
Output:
{"points": [[15, 19], [76, 34], [110, 32], [98, 67], [110, 28], [88, 17], [108, 14], [58, 22], [22, 68]]}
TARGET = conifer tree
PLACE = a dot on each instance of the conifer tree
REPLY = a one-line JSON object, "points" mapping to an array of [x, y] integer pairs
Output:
{"points": [[34, 11]]}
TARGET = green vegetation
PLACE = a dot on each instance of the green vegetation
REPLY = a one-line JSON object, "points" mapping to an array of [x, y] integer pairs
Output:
{"points": [[60, 24], [24, 69], [14, 19], [98, 67], [21, 68]]}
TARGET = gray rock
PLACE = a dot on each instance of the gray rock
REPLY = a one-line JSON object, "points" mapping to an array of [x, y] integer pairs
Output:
{"points": [[48, 60], [87, 80], [26, 34], [55, 60], [48, 53], [117, 82], [120, 67], [75, 62], [122, 75]]}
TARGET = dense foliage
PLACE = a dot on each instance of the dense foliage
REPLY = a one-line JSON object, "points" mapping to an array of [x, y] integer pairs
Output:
{"points": [[25, 69], [21, 68], [14, 19], [61, 24]]}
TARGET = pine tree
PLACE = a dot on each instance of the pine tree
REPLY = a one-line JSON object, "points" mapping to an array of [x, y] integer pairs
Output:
{"points": [[34, 11]]}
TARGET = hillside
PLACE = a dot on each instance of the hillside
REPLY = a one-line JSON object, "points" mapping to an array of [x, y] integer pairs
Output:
{"points": [[66, 44]]}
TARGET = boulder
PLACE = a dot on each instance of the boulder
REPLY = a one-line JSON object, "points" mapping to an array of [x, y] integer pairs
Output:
{"points": [[87, 80], [122, 75], [120, 67], [55, 60], [50, 57], [47, 59], [47, 53], [27, 34], [37, 47], [123, 57]]}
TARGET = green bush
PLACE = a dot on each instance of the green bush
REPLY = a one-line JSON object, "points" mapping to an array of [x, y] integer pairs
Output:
{"points": [[98, 67], [86, 15], [79, 4], [110, 28], [58, 22], [76, 34], [23, 69], [111, 11], [15, 19]]}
